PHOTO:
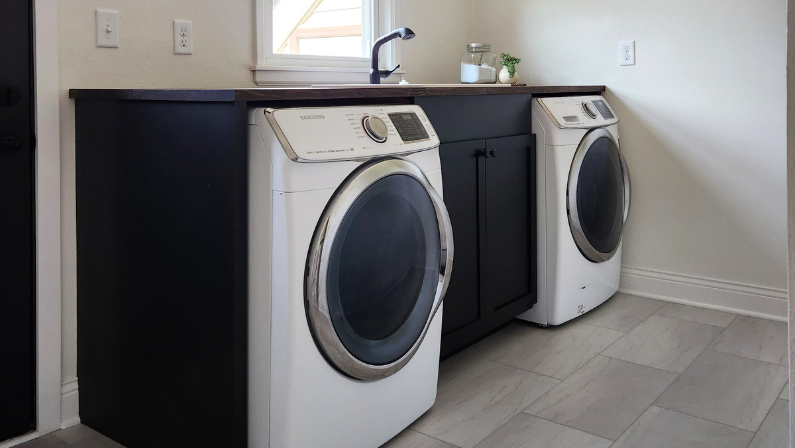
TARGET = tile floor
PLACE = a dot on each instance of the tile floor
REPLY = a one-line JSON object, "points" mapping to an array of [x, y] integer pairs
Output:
{"points": [[634, 372]]}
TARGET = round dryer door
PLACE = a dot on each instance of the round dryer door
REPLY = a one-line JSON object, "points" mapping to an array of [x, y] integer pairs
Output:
{"points": [[598, 196], [378, 268]]}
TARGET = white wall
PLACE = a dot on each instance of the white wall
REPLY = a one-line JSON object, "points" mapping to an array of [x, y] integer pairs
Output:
{"points": [[703, 127], [224, 49]]}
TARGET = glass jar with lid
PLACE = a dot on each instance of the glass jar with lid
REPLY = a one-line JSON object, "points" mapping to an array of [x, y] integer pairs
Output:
{"points": [[478, 65]]}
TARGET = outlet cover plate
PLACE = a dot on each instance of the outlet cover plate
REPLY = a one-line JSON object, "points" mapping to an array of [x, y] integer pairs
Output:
{"points": [[107, 28], [183, 37], [626, 52]]}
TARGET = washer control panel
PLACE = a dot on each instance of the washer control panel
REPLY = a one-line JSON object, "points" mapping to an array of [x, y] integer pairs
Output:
{"points": [[357, 132], [581, 112]]}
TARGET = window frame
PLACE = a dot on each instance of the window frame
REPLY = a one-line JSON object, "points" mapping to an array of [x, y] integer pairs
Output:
{"points": [[282, 69]]}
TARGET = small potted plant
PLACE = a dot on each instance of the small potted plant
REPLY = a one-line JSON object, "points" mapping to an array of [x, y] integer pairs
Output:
{"points": [[508, 72]]}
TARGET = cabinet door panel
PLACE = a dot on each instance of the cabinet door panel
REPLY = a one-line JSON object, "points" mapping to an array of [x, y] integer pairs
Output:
{"points": [[462, 175], [509, 261], [17, 233]]}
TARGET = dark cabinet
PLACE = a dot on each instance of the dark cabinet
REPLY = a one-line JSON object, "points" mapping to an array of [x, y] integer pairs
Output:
{"points": [[489, 189]]}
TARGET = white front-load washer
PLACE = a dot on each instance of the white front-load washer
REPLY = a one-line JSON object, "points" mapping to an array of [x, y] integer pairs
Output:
{"points": [[350, 252], [583, 203]]}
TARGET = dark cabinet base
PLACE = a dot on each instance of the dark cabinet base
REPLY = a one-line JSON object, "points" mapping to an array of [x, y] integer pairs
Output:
{"points": [[490, 192]]}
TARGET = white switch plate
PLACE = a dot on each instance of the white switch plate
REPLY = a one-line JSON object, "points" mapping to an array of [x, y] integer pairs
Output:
{"points": [[626, 52], [183, 37], [107, 28]]}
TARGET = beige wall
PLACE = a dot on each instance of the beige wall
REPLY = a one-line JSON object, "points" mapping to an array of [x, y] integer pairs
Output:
{"points": [[702, 125], [224, 49]]}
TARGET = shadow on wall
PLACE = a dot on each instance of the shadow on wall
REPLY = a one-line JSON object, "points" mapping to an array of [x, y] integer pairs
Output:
{"points": [[675, 201]]}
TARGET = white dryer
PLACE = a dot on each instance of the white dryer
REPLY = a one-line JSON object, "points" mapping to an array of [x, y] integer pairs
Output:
{"points": [[350, 252], [583, 203]]}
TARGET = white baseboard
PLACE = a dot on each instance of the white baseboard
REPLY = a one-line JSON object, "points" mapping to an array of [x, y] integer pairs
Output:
{"points": [[739, 298], [70, 404]]}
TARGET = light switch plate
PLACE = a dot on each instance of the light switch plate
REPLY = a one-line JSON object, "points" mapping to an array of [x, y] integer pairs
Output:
{"points": [[107, 28], [183, 37], [626, 52]]}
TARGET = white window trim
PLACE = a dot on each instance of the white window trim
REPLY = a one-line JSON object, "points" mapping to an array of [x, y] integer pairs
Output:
{"points": [[288, 69]]}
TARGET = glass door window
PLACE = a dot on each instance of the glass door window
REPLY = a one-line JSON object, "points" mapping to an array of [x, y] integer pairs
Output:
{"points": [[378, 268], [598, 195]]}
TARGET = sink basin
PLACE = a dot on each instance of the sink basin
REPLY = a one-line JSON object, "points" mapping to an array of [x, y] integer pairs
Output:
{"points": [[407, 85]]}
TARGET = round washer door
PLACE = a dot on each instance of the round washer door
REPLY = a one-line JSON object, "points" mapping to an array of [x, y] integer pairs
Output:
{"points": [[598, 196], [378, 268]]}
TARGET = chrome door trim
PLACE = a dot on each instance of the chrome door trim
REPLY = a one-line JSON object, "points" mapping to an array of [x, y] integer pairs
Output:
{"points": [[627, 187], [571, 196], [315, 296]]}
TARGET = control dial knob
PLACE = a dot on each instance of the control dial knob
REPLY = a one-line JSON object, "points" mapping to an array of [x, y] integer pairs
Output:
{"points": [[588, 109], [375, 128]]}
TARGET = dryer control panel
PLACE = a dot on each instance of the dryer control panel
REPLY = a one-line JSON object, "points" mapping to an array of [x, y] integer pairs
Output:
{"points": [[357, 132], [579, 112]]}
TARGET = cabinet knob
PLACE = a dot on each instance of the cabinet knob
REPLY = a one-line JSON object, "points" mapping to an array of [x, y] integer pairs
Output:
{"points": [[488, 153]]}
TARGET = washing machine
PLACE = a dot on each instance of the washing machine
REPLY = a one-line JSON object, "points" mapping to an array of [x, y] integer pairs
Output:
{"points": [[350, 253], [583, 204]]}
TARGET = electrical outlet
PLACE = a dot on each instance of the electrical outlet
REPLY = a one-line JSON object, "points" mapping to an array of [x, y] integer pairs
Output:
{"points": [[107, 28], [626, 52], [183, 37]]}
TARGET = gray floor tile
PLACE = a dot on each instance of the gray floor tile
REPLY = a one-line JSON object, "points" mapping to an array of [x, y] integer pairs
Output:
{"points": [[785, 392], [76, 434], [473, 405], [622, 312], [527, 431], [661, 428], [413, 439], [604, 397], [48, 441], [465, 360], [751, 337], [774, 432], [555, 351], [726, 389], [695, 314], [98, 442], [664, 343]]}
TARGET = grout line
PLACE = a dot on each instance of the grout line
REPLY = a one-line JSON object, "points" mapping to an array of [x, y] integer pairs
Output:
{"points": [[745, 357], [567, 426], [702, 418], [432, 437]]}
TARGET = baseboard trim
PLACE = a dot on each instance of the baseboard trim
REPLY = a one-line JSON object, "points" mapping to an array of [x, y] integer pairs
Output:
{"points": [[70, 404], [734, 297]]}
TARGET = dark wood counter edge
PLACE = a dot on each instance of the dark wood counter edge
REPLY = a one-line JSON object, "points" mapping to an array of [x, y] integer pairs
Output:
{"points": [[323, 93]]}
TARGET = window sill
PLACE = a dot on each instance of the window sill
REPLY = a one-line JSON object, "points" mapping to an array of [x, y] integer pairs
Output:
{"points": [[277, 75]]}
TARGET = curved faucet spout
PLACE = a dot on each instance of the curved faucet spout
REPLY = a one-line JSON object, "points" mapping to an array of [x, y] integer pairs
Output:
{"points": [[376, 74]]}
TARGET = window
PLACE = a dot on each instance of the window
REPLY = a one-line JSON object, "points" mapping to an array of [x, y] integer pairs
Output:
{"points": [[321, 28], [321, 41]]}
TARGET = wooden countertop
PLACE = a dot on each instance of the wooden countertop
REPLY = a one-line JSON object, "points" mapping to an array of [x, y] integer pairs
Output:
{"points": [[321, 93]]}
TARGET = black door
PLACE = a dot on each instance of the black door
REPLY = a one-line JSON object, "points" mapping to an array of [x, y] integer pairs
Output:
{"points": [[463, 173], [509, 260], [598, 196], [490, 193], [16, 221]]}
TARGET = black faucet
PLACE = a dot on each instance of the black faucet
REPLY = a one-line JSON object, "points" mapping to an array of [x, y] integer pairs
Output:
{"points": [[376, 74]]}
